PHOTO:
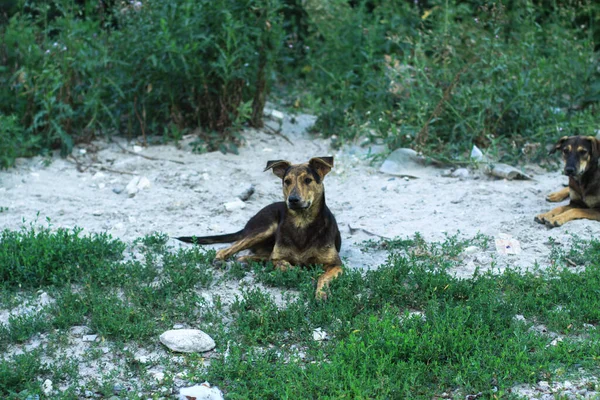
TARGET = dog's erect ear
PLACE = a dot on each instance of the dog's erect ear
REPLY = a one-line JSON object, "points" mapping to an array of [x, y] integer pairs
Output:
{"points": [[595, 146], [558, 144], [279, 167], [322, 165]]}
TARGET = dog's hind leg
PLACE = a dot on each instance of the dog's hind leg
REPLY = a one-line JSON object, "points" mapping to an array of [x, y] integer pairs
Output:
{"points": [[558, 196], [542, 218], [572, 214], [252, 239]]}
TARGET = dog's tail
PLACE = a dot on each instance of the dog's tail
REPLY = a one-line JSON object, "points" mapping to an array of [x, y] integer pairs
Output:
{"points": [[227, 238]]}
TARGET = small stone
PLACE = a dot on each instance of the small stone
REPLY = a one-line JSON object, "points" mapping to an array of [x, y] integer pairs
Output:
{"points": [[47, 387], [143, 183], [79, 330], [178, 326], [319, 335], [159, 376], [117, 388], [101, 185], [200, 392], [246, 192], [88, 393], [461, 173], [471, 250], [131, 187], [118, 189], [187, 341], [237, 204], [97, 213], [277, 115], [45, 299], [90, 338], [519, 317], [137, 149], [543, 385]]}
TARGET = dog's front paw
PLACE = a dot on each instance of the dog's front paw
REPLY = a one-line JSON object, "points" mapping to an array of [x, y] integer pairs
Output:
{"points": [[320, 295], [218, 262], [540, 219], [554, 222]]}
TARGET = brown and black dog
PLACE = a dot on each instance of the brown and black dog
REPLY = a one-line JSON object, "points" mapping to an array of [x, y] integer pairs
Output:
{"points": [[298, 231], [580, 154]]}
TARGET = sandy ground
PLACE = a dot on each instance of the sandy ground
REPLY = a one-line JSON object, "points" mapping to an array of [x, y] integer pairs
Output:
{"points": [[189, 198]]}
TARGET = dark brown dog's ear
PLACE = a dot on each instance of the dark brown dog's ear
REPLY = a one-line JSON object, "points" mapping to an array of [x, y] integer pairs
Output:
{"points": [[558, 145], [322, 165], [279, 167], [595, 146]]}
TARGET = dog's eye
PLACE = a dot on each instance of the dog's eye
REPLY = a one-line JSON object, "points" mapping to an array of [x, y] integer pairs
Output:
{"points": [[307, 181], [565, 150], [287, 181], [583, 152]]}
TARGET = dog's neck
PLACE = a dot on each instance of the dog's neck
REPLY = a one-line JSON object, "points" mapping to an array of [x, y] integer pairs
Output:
{"points": [[303, 218]]}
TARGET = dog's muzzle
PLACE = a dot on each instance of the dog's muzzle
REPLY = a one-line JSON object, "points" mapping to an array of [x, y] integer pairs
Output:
{"points": [[295, 203]]}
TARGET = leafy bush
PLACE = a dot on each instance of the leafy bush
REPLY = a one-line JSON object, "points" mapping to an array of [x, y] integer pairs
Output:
{"points": [[441, 76], [70, 74]]}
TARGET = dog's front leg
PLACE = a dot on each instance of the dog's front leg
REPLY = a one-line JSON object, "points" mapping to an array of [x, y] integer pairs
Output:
{"points": [[330, 274], [572, 214], [252, 239], [558, 196], [542, 218]]}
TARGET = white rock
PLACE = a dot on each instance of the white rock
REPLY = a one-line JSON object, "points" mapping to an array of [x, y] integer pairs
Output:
{"points": [[79, 330], [90, 338], [131, 187], [476, 154], [471, 250], [277, 115], [319, 335], [246, 191], [137, 149], [159, 376], [237, 204], [187, 341], [45, 299], [97, 213], [144, 183], [201, 392], [461, 173], [47, 387]]}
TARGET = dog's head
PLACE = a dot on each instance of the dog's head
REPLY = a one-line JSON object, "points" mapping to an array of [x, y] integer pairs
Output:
{"points": [[302, 183], [580, 153]]}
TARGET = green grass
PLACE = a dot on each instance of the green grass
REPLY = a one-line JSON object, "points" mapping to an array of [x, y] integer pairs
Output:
{"points": [[407, 329]]}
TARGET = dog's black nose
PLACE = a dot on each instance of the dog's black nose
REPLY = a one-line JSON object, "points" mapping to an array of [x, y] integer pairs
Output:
{"points": [[294, 199], [569, 171]]}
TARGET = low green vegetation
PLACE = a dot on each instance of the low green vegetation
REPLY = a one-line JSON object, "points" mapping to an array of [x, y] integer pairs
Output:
{"points": [[407, 329]]}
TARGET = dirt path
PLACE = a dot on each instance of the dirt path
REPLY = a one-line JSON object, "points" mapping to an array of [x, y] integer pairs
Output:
{"points": [[189, 198]]}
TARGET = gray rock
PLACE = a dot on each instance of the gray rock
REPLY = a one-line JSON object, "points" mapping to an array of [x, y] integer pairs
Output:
{"points": [[117, 388], [89, 338], [246, 192], [118, 189], [201, 392], [187, 341], [407, 163]]}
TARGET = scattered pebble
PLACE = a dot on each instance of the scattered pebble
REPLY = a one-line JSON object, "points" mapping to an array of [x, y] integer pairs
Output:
{"points": [[90, 338], [47, 387], [118, 189], [200, 392], [246, 192], [461, 173], [187, 341], [235, 205], [319, 335]]}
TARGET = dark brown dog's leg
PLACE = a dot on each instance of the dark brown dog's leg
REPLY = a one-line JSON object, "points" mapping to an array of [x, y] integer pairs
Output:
{"points": [[330, 274], [558, 196], [572, 214], [247, 242], [542, 218]]}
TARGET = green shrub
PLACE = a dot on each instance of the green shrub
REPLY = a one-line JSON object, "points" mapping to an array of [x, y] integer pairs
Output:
{"points": [[70, 74]]}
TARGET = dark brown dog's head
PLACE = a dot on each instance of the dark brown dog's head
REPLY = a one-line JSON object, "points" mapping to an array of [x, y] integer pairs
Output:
{"points": [[302, 183], [580, 153]]}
